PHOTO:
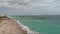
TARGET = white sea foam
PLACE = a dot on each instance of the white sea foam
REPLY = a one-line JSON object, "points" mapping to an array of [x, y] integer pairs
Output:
{"points": [[25, 28]]}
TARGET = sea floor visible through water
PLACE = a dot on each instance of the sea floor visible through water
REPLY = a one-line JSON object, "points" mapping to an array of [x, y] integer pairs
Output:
{"points": [[49, 25]]}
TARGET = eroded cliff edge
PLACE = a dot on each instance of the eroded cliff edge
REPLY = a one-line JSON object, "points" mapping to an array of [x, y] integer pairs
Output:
{"points": [[12, 26]]}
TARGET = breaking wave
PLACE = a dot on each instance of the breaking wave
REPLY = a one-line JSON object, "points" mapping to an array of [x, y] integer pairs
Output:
{"points": [[25, 28]]}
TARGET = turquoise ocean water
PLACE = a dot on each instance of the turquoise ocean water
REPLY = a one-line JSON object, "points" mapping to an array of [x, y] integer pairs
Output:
{"points": [[49, 25]]}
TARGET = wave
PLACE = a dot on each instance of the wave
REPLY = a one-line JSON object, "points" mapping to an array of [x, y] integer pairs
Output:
{"points": [[25, 28]]}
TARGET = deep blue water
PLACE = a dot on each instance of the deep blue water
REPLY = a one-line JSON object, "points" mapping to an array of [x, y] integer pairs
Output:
{"points": [[49, 25]]}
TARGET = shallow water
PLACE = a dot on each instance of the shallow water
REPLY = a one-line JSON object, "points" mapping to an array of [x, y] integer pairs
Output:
{"points": [[49, 25]]}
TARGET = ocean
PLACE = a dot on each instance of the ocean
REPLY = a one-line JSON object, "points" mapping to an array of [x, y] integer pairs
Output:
{"points": [[49, 25]]}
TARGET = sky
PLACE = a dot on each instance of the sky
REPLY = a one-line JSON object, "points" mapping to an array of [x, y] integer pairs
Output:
{"points": [[30, 7]]}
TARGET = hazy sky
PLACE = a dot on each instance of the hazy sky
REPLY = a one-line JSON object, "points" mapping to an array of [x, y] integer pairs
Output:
{"points": [[30, 7]]}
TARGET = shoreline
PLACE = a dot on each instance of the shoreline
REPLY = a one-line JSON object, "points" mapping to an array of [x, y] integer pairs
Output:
{"points": [[18, 27]]}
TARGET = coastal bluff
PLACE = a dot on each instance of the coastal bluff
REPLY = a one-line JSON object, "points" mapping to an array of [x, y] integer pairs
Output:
{"points": [[11, 26]]}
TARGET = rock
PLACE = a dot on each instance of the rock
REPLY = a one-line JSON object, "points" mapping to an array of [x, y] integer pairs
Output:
{"points": [[12, 26]]}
